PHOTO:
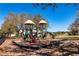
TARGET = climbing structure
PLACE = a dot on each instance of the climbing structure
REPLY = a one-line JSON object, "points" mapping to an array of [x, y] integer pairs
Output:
{"points": [[31, 26]]}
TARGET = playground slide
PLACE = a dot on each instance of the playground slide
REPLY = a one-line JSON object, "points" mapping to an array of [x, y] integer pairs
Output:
{"points": [[33, 40], [2, 39]]}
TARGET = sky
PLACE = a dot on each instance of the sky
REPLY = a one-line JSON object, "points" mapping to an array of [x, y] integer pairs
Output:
{"points": [[58, 18]]}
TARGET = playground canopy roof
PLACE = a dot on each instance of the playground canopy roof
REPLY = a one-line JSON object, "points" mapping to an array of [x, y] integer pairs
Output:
{"points": [[42, 22], [29, 22]]}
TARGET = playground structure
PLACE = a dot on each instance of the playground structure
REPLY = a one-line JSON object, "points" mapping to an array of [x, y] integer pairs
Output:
{"points": [[32, 32]]}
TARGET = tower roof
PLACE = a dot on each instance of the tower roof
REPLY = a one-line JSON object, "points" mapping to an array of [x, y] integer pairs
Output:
{"points": [[29, 22], [43, 21]]}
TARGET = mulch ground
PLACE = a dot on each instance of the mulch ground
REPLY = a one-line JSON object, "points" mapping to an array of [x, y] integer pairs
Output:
{"points": [[8, 49]]}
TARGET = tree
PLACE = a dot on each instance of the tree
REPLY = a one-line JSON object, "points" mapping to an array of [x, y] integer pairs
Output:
{"points": [[36, 20], [45, 6], [1, 32], [74, 27], [14, 22], [22, 18], [10, 24]]}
